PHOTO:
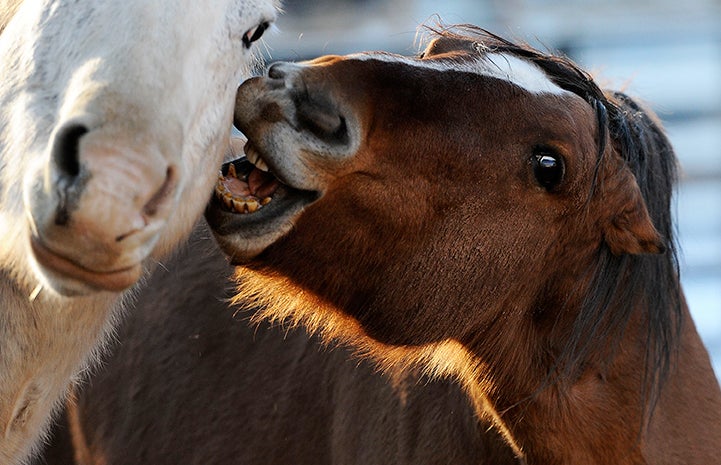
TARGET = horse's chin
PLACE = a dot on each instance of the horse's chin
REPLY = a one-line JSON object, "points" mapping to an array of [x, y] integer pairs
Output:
{"points": [[251, 210], [71, 279]]}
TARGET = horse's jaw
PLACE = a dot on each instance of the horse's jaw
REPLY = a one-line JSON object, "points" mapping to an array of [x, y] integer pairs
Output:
{"points": [[251, 209]]}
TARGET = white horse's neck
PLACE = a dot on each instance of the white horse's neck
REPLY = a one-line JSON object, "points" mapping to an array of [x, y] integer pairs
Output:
{"points": [[58, 341], [46, 342]]}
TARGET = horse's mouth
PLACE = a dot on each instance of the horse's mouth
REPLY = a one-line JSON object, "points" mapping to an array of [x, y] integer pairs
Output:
{"points": [[252, 206], [245, 186]]}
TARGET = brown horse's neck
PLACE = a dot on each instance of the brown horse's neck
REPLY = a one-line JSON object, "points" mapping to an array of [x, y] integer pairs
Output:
{"points": [[546, 420], [685, 426], [554, 422], [557, 419], [573, 421], [381, 298]]}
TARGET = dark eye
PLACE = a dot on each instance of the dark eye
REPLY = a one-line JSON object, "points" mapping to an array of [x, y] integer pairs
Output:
{"points": [[254, 33], [548, 167]]}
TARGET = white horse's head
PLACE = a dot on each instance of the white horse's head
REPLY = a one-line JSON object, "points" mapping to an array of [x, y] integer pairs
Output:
{"points": [[114, 116]]}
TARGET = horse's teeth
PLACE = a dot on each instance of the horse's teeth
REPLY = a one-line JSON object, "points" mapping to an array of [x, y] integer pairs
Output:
{"points": [[231, 171], [251, 154], [238, 206], [252, 206], [261, 165], [255, 159], [228, 200], [244, 205]]}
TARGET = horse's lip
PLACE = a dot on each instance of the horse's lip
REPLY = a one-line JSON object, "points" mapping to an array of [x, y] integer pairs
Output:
{"points": [[115, 280]]}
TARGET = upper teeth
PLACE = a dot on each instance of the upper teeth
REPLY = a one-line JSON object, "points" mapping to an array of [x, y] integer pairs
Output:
{"points": [[252, 155]]}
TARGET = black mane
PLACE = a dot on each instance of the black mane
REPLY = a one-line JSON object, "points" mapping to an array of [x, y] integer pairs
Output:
{"points": [[618, 281]]}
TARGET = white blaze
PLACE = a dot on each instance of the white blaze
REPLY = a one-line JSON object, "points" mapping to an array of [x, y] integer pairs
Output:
{"points": [[522, 73]]}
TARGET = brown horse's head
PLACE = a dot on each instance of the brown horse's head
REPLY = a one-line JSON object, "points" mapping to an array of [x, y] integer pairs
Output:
{"points": [[470, 194]]}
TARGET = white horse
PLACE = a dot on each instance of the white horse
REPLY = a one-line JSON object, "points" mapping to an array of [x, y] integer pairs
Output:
{"points": [[114, 116]]}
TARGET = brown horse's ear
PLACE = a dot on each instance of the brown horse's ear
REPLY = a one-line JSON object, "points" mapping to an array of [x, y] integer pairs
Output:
{"points": [[628, 228]]}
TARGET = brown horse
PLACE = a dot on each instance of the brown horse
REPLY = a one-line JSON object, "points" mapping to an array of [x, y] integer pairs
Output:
{"points": [[482, 213]]}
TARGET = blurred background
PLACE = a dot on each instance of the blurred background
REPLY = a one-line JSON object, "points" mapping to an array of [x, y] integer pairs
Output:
{"points": [[666, 52]]}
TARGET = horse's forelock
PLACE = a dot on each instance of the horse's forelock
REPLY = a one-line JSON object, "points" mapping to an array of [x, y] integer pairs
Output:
{"points": [[559, 69]]}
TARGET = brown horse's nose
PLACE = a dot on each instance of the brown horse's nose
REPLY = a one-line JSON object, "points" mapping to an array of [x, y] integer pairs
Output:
{"points": [[277, 71], [281, 75], [322, 118], [316, 109]]}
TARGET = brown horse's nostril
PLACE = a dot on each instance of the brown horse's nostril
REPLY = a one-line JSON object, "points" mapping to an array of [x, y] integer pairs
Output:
{"points": [[65, 149], [275, 71], [323, 120]]}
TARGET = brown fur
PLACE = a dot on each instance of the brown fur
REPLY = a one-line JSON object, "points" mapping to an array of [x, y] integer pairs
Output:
{"points": [[193, 383]]}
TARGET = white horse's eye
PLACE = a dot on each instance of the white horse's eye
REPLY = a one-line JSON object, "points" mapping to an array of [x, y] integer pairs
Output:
{"points": [[254, 33]]}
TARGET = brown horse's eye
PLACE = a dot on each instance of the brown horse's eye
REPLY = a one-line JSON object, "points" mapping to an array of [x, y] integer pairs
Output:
{"points": [[548, 167]]}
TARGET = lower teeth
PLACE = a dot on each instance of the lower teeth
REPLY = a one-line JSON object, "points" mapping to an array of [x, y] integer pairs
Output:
{"points": [[243, 205]]}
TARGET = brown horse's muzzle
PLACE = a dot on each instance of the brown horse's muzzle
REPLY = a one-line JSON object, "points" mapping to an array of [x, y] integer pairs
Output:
{"points": [[299, 136]]}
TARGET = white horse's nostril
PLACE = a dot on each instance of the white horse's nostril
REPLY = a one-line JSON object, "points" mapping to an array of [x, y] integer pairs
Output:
{"points": [[65, 149], [151, 208]]}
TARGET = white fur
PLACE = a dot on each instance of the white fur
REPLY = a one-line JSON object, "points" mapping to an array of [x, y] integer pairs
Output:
{"points": [[155, 83], [522, 73]]}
